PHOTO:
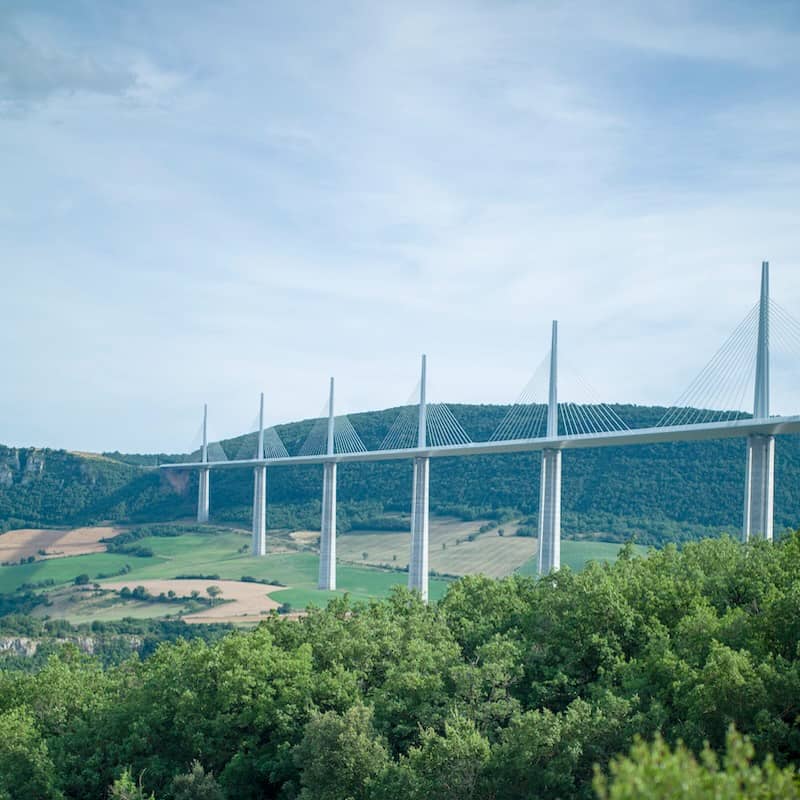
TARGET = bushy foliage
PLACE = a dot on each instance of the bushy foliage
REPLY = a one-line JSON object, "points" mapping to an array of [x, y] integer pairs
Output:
{"points": [[196, 784], [503, 690], [656, 772], [126, 788]]}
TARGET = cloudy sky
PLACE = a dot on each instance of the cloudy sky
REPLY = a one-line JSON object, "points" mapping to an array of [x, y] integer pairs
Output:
{"points": [[200, 201]]}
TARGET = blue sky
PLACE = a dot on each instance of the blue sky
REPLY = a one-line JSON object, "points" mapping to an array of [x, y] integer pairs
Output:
{"points": [[203, 200]]}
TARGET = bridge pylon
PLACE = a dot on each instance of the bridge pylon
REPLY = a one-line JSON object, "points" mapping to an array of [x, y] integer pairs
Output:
{"points": [[259, 547], [327, 542], [418, 562], [204, 473], [759, 492], [550, 486]]}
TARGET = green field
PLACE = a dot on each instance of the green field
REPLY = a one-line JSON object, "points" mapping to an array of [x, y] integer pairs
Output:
{"points": [[575, 555], [216, 554], [64, 570], [294, 565]]}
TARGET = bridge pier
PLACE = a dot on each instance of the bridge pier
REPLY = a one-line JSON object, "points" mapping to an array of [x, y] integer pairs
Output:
{"points": [[203, 475], [418, 563], [759, 488], [259, 547], [550, 513], [202, 495], [327, 539], [550, 486], [418, 560], [759, 492], [327, 542]]}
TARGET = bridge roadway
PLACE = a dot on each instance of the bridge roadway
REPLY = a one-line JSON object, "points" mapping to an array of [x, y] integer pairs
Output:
{"points": [[678, 433]]}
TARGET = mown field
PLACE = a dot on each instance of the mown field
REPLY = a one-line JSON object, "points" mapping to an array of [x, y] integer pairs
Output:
{"points": [[370, 563], [456, 548]]}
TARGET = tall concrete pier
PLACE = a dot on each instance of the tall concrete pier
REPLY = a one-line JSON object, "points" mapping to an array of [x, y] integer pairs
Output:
{"points": [[759, 490], [418, 563], [259, 547], [203, 475], [327, 542], [550, 487]]}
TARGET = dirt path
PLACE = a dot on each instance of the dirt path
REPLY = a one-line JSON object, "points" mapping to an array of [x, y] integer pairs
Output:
{"points": [[26, 542], [249, 600]]}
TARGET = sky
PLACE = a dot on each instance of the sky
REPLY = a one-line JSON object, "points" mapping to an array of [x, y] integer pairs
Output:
{"points": [[201, 201]]}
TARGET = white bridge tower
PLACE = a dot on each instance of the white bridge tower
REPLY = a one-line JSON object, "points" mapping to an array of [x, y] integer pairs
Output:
{"points": [[418, 563], [327, 542], [550, 487], [259, 547], [759, 490], [203, 475]]}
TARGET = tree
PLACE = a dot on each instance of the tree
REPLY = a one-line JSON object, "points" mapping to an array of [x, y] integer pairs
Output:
{"points": [[656, 772], [125, 788], [340, 755], [214, 592], [26, 769], [196, 784], [542, 754], [448, 767]]}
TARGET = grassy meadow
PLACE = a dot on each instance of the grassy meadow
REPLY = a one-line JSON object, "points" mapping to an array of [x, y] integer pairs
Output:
{"points": [[369, 564]]}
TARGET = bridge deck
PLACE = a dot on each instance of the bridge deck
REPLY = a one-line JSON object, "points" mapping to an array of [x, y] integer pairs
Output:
{"points": [[685, 433]]}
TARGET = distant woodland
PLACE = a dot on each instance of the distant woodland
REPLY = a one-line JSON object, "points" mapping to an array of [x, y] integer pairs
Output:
{"points": [[655, 494]]}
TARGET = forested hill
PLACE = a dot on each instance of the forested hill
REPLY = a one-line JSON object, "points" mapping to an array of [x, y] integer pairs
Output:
{"points": [[644, 489], [40, 486]]}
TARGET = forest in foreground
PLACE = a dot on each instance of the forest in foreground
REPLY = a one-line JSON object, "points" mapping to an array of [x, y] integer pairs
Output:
{"points": [[686, 659]]}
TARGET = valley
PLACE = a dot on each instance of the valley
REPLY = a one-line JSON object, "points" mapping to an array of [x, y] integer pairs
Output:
{"points": [[184, 558]]}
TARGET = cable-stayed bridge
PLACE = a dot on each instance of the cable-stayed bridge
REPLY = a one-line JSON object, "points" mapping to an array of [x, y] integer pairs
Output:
{"points": [[539, 420]]}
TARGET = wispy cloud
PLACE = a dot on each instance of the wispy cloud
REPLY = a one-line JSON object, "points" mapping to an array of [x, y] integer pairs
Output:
{"points": [[212, 200], [33, 71]]}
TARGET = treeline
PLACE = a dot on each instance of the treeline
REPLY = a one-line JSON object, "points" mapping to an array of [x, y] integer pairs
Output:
{"points": [[504, 690], [111, 643]]}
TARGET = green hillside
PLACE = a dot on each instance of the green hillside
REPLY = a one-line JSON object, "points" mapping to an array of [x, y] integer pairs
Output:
{"points": [[51, 487], [658, 492]]}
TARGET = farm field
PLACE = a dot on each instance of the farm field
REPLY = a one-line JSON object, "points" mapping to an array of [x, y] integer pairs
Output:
{"points": [[575, 554], [82, 604], [63, 570], [53, 543], [451, 552], [370, 564], [196, 554], [246, 602]]}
